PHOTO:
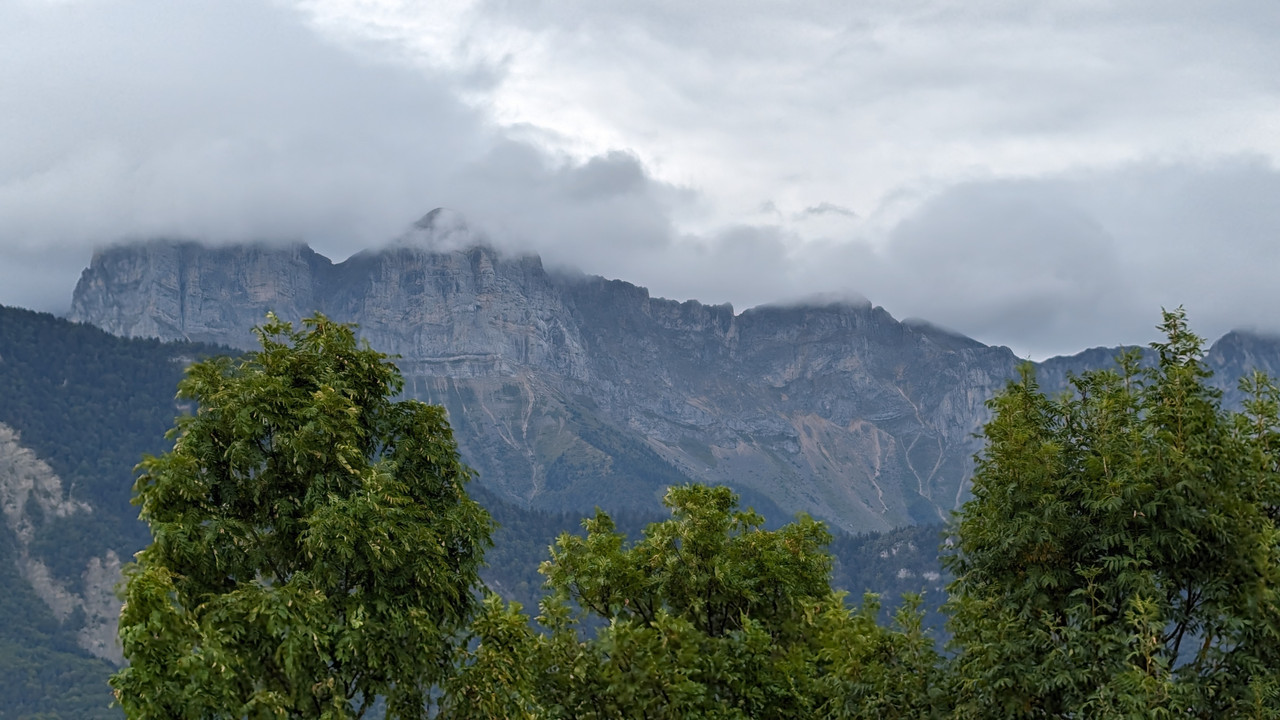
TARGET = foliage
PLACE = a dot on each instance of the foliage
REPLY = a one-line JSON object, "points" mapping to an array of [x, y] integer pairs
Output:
{"points": [[314, 547], [1120, 556], [522, 536], [708, 615]]}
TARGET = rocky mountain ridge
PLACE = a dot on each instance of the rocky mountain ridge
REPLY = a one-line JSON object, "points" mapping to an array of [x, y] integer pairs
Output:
{"points": [[568, 391]]}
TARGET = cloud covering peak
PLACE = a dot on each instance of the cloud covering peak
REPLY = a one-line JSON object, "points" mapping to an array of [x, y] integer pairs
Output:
{"points": [[1040, 176]]}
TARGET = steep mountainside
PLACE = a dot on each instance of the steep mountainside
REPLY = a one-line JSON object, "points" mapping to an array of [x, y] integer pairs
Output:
{"points": [[568, 391], [32, 496]]}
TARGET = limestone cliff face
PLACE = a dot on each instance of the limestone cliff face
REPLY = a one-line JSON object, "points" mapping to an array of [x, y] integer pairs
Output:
{"points": [[837, 410], [182, 290], [471, 311], [568, 391], [464, 313]]}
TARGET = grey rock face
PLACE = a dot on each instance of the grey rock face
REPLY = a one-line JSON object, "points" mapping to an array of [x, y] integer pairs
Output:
{"points": [[182, 290], [568, 391]]}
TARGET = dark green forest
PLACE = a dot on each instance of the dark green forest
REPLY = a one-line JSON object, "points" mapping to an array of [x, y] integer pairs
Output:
{"points": [[88, 404]]}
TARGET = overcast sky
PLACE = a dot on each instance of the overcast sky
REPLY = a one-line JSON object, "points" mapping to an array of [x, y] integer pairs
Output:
{"points": [[1040, 175]]}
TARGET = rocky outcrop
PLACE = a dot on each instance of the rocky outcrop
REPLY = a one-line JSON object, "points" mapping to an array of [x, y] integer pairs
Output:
{"points": [[182, 290], [31, 494], [29, 490]]}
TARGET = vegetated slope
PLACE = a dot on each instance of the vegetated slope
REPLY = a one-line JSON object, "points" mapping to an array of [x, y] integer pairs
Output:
{"points": [[893, 564], [78, 407], [89, 404], [43, 670]]}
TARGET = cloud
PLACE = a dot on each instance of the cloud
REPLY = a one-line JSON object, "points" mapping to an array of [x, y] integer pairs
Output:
{"points": [[1041, 177], [827, 208], [604, 211], [221, 121], [1055, 264], [234, 121], [847, 102], [1005, 259]]}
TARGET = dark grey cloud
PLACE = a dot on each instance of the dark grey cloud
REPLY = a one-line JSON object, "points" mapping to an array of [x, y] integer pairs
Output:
{"points": [[1006, 260], [611, 175], [605, 211]]}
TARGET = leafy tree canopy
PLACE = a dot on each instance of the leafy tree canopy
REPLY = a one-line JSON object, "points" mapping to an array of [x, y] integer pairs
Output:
{"points": [[707, 616], [313, 546], [1121, 555]]}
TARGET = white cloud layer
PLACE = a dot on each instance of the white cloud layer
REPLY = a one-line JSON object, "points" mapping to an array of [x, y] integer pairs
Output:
{"points": [[1044, 176]]}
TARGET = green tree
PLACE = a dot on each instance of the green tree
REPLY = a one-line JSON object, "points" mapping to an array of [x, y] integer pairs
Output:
{"points": [[707, 616], [1120, 556], [313, 546]]}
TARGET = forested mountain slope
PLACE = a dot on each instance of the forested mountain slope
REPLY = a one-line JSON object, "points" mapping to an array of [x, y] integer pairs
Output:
{"points": [[78, 407]]}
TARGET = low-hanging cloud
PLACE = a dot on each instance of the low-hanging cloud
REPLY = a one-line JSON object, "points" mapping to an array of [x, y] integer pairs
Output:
{"points": [[220, 121], [1056, 264]]}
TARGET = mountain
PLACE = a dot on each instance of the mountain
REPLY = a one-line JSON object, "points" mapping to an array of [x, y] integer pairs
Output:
{"points": [[568, 391]]}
